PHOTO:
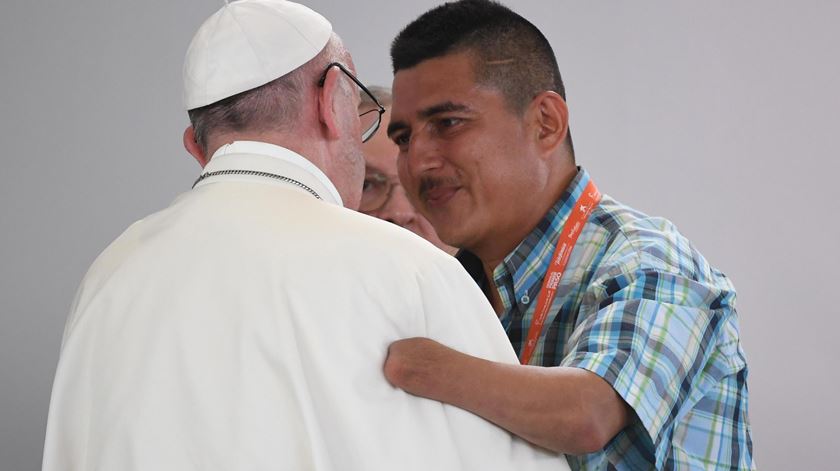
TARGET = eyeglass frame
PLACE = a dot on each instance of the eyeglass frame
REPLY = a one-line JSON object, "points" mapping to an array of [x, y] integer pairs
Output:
{"points": [[367, 134], [391, 182]]}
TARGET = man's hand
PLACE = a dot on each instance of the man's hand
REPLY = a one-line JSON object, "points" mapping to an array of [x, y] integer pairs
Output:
{"points": [[566, 410], [418, 366]]}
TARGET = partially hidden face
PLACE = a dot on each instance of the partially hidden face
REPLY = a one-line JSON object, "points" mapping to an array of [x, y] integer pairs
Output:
{"points": [[346, 170], [464, 156], [383, 196]]}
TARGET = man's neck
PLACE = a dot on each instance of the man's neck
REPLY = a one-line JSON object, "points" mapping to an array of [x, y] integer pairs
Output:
{"points": [[300, 144], [494, 251]]}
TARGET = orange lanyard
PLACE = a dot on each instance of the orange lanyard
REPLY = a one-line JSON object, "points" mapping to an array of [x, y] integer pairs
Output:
{"points": [[571, 231]]}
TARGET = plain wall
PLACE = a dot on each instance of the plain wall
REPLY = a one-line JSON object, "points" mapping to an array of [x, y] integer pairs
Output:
{"points": [[722, 116]]}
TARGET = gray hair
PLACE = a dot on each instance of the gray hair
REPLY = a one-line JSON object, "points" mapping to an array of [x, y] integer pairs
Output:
{"points": [[274, 106]]}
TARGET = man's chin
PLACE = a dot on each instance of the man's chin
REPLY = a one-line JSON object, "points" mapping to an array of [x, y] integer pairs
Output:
{"points": [[451, 231]]}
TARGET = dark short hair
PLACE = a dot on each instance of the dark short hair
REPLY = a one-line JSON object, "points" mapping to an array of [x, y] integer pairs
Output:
{"points": [[510, 53]]}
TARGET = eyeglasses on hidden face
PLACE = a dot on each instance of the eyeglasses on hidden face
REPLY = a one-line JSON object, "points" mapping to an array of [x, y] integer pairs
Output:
{"points": [[376, 191]]}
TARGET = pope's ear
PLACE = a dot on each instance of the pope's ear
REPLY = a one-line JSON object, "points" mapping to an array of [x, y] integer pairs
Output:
{"points": [[550, 117], [328, 105], [193, 147]]}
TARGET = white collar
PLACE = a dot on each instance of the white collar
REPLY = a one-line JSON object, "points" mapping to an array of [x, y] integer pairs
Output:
{"points": [[269, 158]]}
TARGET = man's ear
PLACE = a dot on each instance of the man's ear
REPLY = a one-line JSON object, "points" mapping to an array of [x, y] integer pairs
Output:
{"points": [[328, 104], [550, 117], [193, 148]]}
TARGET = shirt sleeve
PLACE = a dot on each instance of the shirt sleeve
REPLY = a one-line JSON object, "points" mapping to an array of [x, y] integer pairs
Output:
{"points": [[649, 332]]}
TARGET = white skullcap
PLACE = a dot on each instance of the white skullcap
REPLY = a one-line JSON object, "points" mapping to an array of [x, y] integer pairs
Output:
{"points": [[247, 44]]}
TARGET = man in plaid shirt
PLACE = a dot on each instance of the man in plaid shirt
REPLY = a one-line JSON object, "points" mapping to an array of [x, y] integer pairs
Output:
{"points": [[638, 364]]}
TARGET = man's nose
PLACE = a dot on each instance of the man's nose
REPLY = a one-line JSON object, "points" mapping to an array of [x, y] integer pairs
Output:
{"points": [[423, 154]]}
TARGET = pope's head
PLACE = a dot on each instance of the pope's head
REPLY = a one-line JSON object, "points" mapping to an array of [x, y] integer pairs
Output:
{"points": [[274, 71]]}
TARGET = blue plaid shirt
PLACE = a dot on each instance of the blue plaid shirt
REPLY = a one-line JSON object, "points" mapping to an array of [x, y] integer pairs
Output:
{"points": [[639, 306]]}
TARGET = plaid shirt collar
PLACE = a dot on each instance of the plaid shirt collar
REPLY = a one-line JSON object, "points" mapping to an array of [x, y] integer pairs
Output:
{"points": [[518, 278]]}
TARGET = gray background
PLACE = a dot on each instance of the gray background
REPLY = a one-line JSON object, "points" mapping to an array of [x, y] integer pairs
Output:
{"points": [[719, 115]]}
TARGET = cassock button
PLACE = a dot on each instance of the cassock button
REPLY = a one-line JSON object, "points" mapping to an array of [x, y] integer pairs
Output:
{"points": [[525, 299]]}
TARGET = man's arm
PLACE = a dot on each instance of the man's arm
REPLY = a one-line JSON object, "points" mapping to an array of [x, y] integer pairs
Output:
{"points": [[563, 409]]}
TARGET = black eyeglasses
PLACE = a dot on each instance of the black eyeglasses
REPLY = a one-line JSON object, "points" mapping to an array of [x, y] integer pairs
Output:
{"points": [[371, 119]]}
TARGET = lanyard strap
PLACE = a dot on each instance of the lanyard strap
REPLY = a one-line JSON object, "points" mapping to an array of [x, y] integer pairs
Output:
{"points": [[571, 231]]}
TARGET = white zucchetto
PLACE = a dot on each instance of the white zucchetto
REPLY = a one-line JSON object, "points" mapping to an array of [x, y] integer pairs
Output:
{"points": [[249, 43]]}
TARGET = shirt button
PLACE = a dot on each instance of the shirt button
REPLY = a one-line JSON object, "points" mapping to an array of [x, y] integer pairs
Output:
{"points": [[525, 299]]}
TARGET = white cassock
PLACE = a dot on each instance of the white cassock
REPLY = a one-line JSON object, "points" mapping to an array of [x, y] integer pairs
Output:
{"points": [[245, 328]]}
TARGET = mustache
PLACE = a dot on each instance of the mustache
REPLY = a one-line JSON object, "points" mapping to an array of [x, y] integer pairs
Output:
{"points": [[430, 183]]}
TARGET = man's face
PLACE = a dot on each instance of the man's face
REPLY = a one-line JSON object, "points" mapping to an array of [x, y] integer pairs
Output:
{"points": [[383, 196], [465, 158]]}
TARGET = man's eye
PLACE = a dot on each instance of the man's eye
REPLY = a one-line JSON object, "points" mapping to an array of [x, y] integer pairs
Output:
{"points": [[373, 182], [449, 122], [400, 139], [445, 125]]}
